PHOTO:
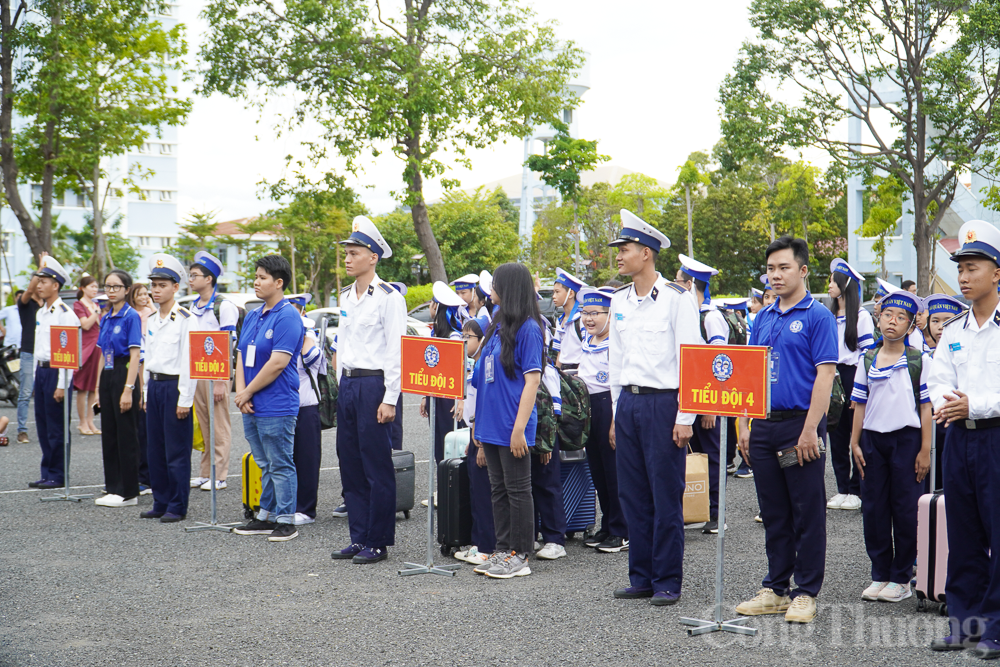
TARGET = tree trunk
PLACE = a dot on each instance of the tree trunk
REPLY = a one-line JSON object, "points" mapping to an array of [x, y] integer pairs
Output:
{"points": [[421, 221], [8, 164], [100, 246], [687, 198], [48, 148], [295, 281]]}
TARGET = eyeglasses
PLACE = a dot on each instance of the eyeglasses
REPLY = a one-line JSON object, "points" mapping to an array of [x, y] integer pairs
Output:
{"points": [[196, 275], [113, 288], [470, 336], [591, 314]]}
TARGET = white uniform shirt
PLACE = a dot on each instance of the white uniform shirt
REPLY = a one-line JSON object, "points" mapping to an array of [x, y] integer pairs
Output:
{"points": [[866, 338], [228, 313], [372, 324], [550, 376], [716, 327], [915, 339], [888, 395], [168, 350], [60, 315], [646, 337], [967, 358], [12, 322], [567, 342], [315, 361], [594, 364]]}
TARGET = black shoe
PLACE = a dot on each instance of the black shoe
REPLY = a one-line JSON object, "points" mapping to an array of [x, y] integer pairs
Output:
{"points": [[282, 533], [613, 545], [256, 527], [348, 552], [592, 542], [370, 555], [34, 485], [151, 515], [50, 484], [951, 643], [633, 593], [172, 518], [988, 649], [664, 599]]}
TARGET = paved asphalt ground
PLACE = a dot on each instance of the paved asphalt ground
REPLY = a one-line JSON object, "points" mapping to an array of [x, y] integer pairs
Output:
{"points": [[84, 585]]}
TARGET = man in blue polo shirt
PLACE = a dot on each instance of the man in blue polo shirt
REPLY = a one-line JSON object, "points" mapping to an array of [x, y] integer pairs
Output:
{"points": [[267, 393], [802, 335]]}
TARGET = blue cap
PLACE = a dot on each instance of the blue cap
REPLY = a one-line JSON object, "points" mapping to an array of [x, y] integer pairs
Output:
{"points": [[908, 301], [365, 233], [756, 293], [468, 281], [209, 262], [884, 289], [979, 238], [735, 304], [942, 303], [300, 300], [698, 271], [840, 266], [569, 281], [162, 265], [483, 322], [600, 297], [765, 282], [635, 230]]}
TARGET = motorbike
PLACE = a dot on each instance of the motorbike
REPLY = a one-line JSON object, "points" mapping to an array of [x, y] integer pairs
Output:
{"points": [[10, 366]]}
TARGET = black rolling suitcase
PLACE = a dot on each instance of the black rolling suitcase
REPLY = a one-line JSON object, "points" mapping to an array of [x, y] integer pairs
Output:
{"points": [[406, 475], [454, 505]]}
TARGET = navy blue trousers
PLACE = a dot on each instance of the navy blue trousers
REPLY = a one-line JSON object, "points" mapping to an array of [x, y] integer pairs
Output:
{"points": [[49, 418], [651, 471], [397, 426], [793, 506], [169, 448], [364, 448], [845, 470], [547, 493], [889, 495], [707, 441], [307, 455], [972, 477], [603, 466], [484, 534], [140, 421]]}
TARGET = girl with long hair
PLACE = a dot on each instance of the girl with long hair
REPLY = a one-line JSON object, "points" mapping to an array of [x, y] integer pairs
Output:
{"points": [[85, 380]]}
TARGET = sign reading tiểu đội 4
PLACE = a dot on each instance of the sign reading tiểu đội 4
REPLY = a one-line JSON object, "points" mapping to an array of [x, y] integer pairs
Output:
{"points": [[725, 380]]}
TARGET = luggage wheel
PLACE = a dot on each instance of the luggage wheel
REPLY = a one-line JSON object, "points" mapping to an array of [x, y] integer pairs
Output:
{"points": [[247, 513], [445, 550], [943, 610], [406, 514], [921, 605], [570, 536]]}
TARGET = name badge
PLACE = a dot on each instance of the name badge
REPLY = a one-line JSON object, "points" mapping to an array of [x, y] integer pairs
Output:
{"points": [[955, 347], [109, 359], [775, 360], [251, 356], [488, 368]]}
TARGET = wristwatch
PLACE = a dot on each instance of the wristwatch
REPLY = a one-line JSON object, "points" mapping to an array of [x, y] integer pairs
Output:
{"points": [[130, 386]]}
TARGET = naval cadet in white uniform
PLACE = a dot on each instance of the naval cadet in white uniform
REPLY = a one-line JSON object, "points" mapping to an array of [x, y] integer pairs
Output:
{"points": [[568, 341]]}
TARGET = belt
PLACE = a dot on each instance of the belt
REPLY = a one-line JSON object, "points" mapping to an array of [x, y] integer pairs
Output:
{"points": [[570, 367], [979, 424], [785, 415], [43, 364], [361, 373], [161, 377], [636, 389]]}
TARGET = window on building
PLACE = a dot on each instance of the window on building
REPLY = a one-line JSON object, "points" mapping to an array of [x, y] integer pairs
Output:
{"points": [[222, 254], [36, 194], [166, 149], [146, 195], [166, 195], [568, 116], [167, 241]]}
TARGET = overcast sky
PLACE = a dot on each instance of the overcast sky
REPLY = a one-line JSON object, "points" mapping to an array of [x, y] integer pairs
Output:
{"points": [[655, 70]]}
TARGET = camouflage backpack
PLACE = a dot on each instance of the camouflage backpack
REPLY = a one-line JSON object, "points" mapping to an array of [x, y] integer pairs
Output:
{"points": [[574, 423], [546, 428]]}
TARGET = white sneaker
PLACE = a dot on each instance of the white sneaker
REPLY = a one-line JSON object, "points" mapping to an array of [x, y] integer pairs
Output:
{"points": [[300, 519], [836, 502], [220, 484], [871, 593], [757, 518], [198, 481], [852, 502], [894, 592], [551, 551], [463, 552], [112, 500], [476, 557]]}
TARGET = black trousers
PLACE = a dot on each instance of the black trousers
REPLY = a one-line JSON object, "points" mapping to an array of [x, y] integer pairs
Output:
{"points": [[119, 432], [307, 455]]}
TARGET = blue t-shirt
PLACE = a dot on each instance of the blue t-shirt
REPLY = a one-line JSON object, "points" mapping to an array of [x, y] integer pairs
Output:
{"points": [[497, 395], [120, 332], [801, 338], [277, 330]]}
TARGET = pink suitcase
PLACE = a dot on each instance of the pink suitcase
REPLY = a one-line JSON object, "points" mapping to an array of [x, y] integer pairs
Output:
{"points": [[932, 545]]}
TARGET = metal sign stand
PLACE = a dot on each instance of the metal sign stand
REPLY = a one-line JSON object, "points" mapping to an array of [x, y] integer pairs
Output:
{"points": [[214, 525], [735, 625], [430, 568], [66, 438]]}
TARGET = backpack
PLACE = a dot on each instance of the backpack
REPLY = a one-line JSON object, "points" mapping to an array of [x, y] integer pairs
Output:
{"points": [[837, 400], [325, 386], [914, 364], [574, 423], [737, 327], [546, 429]]}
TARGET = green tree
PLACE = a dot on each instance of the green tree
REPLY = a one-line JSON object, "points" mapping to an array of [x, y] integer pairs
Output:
{"points": [[923, 79], [691, 177], [564, 160], [431, 77], [75, 248], [885, 195], [197, 233]]}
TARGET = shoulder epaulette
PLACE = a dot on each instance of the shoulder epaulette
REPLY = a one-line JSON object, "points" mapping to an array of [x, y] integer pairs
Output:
{"points": [[953, 319], [64, 307], [347, 289], [385, 288], [184, 312], [623, 287], [677, 288]]}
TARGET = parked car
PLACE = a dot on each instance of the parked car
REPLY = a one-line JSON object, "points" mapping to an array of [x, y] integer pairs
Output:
{"points": [[247, 301], [331, 316], [422, 312]]}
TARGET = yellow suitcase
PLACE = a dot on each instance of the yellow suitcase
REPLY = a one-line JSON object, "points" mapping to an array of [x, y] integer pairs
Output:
{"points": [[252, 486]]}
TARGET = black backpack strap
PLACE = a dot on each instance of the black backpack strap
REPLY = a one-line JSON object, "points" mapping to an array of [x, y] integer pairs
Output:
{"points": [[915, 365], [576, 325]]}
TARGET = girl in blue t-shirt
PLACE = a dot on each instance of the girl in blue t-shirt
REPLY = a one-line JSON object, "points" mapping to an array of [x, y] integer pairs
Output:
{"points": [[506, 380]]}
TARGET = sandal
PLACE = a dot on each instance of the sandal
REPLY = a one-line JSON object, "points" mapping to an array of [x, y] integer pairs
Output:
{"points": [[4, 441], [84, 432]]}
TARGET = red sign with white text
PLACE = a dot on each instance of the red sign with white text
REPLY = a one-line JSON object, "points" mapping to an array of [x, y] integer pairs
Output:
{"points": [[210, 359], [433, 367], [65, 348], [725, 380]]}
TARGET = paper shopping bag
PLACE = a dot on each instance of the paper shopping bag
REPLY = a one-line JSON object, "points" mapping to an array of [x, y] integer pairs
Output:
{"points": [[696, 489]]}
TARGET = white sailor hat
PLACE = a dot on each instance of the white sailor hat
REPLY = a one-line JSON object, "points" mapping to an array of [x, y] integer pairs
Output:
{"points": [[209, 262], [468, 281], [979, 238], [308, 323], [765, 282], [735, 304], [365, 233], [446, 296], [840, 266], [568, 280], [600, 297], [696, 269], [51, 268], [756, 293], [400, 287], [901, 298], [884, 288], [162, 265], [635, 230], [486, 282], [300, 300], [943, 303]]}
